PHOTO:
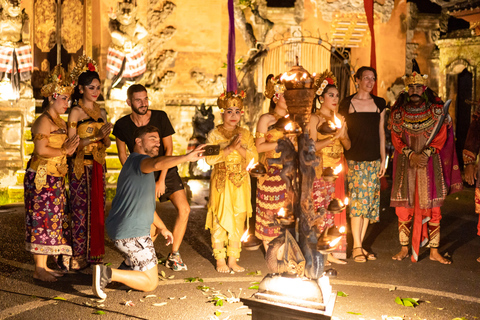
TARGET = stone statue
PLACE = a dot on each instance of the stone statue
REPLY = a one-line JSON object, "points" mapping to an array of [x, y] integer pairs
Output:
{"points": [[125, 58], [203, 123], [17, 62]]}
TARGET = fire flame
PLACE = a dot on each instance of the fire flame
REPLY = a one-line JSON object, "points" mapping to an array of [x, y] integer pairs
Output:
{"points": [[338, 123], [245, 237], [335, 242], [340, 203], [304, 76], [338, 169], [289, 127], [251, 165], [342, 229], [331, 124], [346, 201], [287, 77], [281, 212]]}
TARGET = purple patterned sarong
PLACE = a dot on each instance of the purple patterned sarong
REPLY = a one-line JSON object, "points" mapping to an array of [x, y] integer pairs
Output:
{"points": [[80, 209], [46, 226]]}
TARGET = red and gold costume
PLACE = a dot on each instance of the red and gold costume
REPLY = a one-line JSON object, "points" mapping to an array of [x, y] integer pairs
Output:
{"points": [[419, 192], [470, 153]]}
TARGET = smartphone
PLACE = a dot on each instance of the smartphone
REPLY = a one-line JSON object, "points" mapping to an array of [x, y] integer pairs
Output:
{"points": [[211, 150]]}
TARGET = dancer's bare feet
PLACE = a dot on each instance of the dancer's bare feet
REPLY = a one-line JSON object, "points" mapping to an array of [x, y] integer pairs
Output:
{"points": [[43, 275], [232, 263], [54, 273], [332, 259], [436, 256], [222, 266], [402, 254]]}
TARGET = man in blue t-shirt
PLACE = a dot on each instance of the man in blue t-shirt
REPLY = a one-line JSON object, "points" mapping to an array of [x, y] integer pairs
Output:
{"points": [[133, 212]]}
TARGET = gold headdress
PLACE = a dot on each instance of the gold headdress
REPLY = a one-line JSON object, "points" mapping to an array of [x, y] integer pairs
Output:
{"points": [[323, 80], [84, 63], [416, 77], [57, 82], [231, 99], [273, 87]]}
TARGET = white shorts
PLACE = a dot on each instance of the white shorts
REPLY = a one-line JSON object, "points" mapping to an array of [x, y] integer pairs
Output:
{"points": [[139, 253]]}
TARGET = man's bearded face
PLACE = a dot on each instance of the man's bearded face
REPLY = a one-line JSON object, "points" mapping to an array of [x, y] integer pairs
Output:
{"points": [[415, 92]]}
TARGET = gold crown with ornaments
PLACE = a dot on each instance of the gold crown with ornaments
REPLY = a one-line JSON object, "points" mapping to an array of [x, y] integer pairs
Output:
{"points": [[58, 82], [231, 99]]}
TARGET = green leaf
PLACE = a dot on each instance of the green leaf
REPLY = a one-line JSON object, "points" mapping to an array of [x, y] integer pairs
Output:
{"points": [[108, 264], [99, 312], [355, 313], [199, 280], [255, 282], [219, 303], [163, 273], [255, 273], [341, 294], [59, 298], [407, 302], [254, 287], [218, 313]]}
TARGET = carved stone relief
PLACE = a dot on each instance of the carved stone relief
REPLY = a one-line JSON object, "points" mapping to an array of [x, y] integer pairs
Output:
{"points": [[45, 24], [329, 8], [72, 23]]}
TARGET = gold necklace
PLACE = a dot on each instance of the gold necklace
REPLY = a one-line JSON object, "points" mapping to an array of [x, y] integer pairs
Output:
{"points": [[57, 121], [228, 133], [92, 113]]}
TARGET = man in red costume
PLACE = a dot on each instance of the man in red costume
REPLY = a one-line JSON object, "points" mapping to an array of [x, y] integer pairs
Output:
{"points": [[420, 182]]}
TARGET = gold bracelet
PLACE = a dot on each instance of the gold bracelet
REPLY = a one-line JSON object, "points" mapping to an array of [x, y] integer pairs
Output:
{"points": [[94, 139], [63, 150]]}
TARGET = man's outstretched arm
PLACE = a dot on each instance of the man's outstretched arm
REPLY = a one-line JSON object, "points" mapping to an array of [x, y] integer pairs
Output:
{"points": [[165, 162]]}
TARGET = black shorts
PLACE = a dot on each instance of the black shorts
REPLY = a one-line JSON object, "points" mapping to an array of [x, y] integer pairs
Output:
{"points": [[173, 183]]}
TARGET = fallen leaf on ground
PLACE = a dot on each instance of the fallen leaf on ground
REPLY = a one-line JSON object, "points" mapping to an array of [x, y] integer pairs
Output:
{"points": [[407, 302], [99, 312], [392, 288], [355, 313], [159, 304], [129, 303], [341, 294], [59, 298], [183, 298], [151, 296]]}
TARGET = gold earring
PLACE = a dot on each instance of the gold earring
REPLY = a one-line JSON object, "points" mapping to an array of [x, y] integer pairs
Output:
{"points": [[81, 91], [51, 101]]}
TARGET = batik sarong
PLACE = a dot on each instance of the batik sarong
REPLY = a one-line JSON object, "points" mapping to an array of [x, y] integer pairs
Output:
{"points": [[364, 189], [47, 231], [83, 222], [270, 198]]}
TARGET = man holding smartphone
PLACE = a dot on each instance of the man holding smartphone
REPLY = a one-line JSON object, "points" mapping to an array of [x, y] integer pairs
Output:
{"points": [[168, 184]]}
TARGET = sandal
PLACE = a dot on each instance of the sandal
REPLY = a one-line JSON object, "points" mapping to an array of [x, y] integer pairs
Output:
{"points": [[370, 256], [359, 257]]}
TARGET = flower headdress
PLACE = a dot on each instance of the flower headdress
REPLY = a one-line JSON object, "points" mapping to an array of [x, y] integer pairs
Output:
{"points": [[416, 77], [274, 88], [84, 63], [57, 83], [323, 80], [231, 99]]}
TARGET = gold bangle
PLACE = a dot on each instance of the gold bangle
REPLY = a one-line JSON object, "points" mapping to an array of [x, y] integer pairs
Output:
{"points": [[63, 150], [94, 139]]}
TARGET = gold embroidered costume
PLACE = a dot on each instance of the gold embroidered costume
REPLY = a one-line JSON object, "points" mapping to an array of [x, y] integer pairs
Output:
{"points": [[230, 192]]}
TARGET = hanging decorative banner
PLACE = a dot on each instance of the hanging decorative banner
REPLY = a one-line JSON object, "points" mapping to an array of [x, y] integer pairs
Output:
{"points": [[231, 76], [368, 4]]}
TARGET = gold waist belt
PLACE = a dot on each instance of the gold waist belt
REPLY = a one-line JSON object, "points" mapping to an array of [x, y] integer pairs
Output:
{"points": [[56, 166], [235, 173], [80, 161]]}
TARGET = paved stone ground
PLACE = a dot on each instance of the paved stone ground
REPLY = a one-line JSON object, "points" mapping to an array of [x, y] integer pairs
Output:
{"points": [[445, 292]]}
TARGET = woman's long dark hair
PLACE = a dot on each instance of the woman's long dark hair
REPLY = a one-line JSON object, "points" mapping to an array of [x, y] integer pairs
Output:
{"points": [[84, 79]]}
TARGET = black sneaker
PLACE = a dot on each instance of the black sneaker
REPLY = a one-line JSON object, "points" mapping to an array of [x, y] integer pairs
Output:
{"points": [[102, 276]]}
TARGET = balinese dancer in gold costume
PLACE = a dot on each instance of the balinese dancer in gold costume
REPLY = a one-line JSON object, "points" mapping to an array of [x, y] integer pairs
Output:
{"points": [[44, 183], [271, 189], [424, 168], [229, 206], [330, 150], [87, 172]]}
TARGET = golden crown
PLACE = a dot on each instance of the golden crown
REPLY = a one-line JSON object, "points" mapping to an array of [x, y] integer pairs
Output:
{"points": [[415, 78], [57, 82], [324, 79], [274, 86], [230, 100], [84, 63]]}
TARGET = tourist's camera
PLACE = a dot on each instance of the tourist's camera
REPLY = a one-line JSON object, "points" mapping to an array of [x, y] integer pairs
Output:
{"points": [[211, 150]]}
